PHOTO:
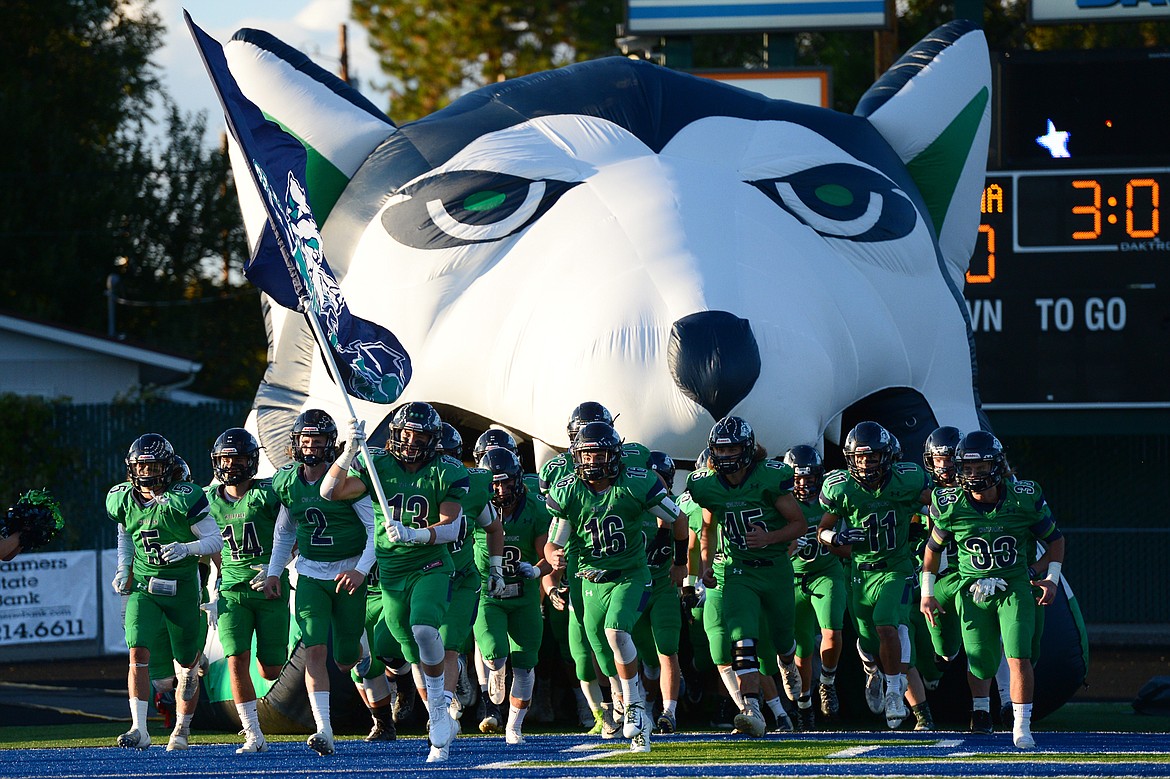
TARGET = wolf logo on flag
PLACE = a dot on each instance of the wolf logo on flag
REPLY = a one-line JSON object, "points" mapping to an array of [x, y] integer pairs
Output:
{"points": [[375, 367]]}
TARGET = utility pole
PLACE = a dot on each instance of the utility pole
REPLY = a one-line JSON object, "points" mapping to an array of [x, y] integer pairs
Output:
{"points": [[343, 59], [111, 294], [885, 42]]}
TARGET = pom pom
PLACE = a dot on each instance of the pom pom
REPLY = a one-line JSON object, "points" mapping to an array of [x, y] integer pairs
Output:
{"points": [[36, 516]]}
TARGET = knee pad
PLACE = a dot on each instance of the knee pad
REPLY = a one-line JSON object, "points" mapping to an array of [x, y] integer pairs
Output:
{"points": [[622, 643], [523, 680], [496, 664], [651, 672], [743, 657], [188, 683], [376, 689], [430, 644]]}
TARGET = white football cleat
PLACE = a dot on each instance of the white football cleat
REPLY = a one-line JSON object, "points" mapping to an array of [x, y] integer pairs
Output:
{"points": [[321, 742], [178, 740], [792, 684], [750, 722], [253, 744], [634, 724], [1023, 740], [134, 739], [441, 728], [875, 688], [439, 754]]}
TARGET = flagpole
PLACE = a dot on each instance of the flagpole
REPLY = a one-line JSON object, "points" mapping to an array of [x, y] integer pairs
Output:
{"points": [[331, 364]]}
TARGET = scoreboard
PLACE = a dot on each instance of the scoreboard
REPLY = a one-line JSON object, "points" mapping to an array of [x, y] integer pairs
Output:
{"points": [[1069, 286]]}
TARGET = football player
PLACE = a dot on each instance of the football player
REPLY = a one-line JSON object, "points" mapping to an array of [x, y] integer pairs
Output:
{"points": [[246, 510], [163, 529], [508, 627], [564, 591], [749, 499], [877, 498], [335, 553], [820, 592], [601, 506], [466, 581], [995, 523], [424, 493]]}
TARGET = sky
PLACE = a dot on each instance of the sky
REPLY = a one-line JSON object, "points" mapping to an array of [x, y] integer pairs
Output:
{"points": [[308, 25]]}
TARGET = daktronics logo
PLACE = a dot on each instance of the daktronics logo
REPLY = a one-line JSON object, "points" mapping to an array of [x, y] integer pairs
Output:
{"points": [[1060, 11]]}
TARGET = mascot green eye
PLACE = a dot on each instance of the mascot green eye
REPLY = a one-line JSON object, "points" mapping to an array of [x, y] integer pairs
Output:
{"points": [[468, 206], [484, 201], [841, 200]]}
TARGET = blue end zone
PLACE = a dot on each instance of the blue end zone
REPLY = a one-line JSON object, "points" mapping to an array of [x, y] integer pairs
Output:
{"points": [[878, 754]]}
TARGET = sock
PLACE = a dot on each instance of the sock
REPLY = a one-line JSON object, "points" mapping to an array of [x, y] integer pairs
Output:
{"points": [[435, 693], [138, 714], [669, 706], [828, 675], [516, 717], [592, 692], [249, 719], [804, 701], [183, 722], [1022, 717], [775, 706], [319, 703], [727, 673], [632, 691], [981, 704]]}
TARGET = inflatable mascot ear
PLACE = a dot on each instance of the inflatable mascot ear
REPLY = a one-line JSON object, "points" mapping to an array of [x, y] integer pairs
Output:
{"points": [[670, 246]]}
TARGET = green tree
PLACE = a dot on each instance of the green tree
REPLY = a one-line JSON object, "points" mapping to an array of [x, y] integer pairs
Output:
{"points": [[73, 71], [434, 50], [90, 185]]}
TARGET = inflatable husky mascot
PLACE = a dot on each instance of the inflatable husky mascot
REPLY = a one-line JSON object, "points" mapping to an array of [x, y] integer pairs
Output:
{"points": [[670, 246]]}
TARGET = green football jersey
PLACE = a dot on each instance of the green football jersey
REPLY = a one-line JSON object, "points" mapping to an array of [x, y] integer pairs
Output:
{"points": [[885, 513], [479, 493], [247, 526], [999, 541], [554, 470], [529, 520], [816, 557], [327, 530], [165, 520], [736, 507], [608, 526], [414, 500]]}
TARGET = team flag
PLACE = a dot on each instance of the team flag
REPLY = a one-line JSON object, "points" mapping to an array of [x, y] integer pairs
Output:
{"points": [[369, 361]]}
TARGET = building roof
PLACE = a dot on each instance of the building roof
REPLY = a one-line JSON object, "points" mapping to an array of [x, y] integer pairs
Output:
{"points": [[164, 363]]}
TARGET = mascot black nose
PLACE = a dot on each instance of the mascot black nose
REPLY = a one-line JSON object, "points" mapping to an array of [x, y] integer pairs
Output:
{"points": [[714, 358]]}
